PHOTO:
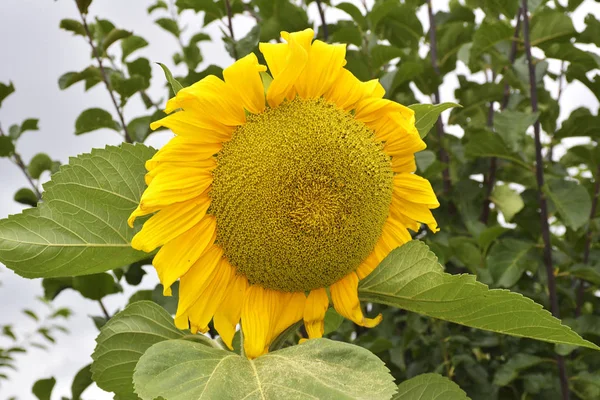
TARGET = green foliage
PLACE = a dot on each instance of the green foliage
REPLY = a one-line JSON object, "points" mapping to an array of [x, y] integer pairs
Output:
{"points": [[320, 368], [429, 386], [42, 389], [427, 114], [102, 188], [94, 118]]}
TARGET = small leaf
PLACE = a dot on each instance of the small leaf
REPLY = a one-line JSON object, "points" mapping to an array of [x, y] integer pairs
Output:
{"points": [[508, 259], [319, 368], [333, 320], [429, 387], [127, 87], [83, 5], [571, 200], [52, 240], [113, 36], [426, 115], [490, 33], [26, 196], [93, 119], [139, 128], [510, 371], [31, 314], [91, 75], [551, 26], [381, 55], [131, 44], [82, 380], [508, 201], [53, 286], [39, 163], [176, 86], [124, 339], [355, 13], [72, 25], [169, 25], [7, 146], [411, 278], [248, 43], [5, 91], [487, 144], [95, 286], [42, 389], [512, 125]]}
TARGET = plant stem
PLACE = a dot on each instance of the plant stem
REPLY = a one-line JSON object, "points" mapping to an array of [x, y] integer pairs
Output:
{"points": [[443, 155], [323, 23], [104, 76], [104, 310], [19, 162], [539, 169], [550, 154], [588, 242], [230, 25], [490, 180]]}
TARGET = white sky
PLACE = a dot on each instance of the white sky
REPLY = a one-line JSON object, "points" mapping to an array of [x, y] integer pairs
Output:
{"points": [[34, 53]]}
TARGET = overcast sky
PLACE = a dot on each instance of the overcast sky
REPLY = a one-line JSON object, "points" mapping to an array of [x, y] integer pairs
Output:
{"points": [[34, 53]]}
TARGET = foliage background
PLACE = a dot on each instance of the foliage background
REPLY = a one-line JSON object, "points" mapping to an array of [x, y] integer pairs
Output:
{"points": [[38, 55]]}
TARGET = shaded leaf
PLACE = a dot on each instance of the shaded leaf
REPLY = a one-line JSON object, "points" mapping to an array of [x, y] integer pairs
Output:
{"points": [[508, 201], [39, 163], [113, 36], [95, 286], [5, 91], [571, 200], [426, 115], [429, 387], [509, 371], [82, 380], [512, 125], [42, 389], [169, 25], [131, 44], [175, 86], [72, 25], [508, 259], [93, 119], [26, 196]]}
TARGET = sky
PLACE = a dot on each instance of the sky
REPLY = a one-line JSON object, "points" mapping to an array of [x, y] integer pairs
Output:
{"points": [[34, 54]]}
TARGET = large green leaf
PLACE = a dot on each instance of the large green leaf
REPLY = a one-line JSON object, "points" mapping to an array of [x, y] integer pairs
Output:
{"points": [[512, 125], [490, 33], [487, 144], [124, 339], [429, 387], [571, 200], [508, 259], [508, 201], [551, 26], [317, 369], [411, 278], [427, 114], [80, 227]]}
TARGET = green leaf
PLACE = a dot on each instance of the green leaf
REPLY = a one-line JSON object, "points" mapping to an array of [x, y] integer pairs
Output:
{"points": [[139, 128], [82, 380], [581, 122], [127, 87], [426, 115], [53, 286], [571, 200], [5, 91], [175, 86], [91, 75], [512, 125], [124, 339], [510, 371], [429, 387], [30, 124], [39, 163], [586, 272], [169, 25], [141, 67], [113, 36], [42, 389], [319, 369], [591, 34], [72, 25], [381, 55], [487, 144], [96, 286], [508, 201], [333, 320], [551, 26], [93, 119], [131, 44], [491, 33], [83, 5], [411, 278], [508, 259], [7, 146], [81, 226], [245, 45], [354, 12], [26, 196]]}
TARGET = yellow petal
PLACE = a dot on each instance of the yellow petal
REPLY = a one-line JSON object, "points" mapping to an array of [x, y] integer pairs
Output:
{"points": [[417, 212], [198, 277], [228, 315], [416, 189], [344, 295], [175, 185], [404, 164], [325, 63], [290, 310], [387, 118], [368, 265], [244, 77], [347, 90], [211, 297], [315, 308], [257, 313], [175, 258], [212, 100], [393, 235], [195, 127], [181, 150], [169, 223], [286, 62]]}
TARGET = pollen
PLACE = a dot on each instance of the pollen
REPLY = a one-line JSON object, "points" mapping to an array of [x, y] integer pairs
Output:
{"points": [[300, 195]]}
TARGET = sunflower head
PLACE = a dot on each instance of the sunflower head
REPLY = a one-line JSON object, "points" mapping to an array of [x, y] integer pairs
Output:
{"points": [[269, 206]]}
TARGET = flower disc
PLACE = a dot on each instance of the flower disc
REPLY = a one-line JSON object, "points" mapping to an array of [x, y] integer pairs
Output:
{"points": [[300, 195]]}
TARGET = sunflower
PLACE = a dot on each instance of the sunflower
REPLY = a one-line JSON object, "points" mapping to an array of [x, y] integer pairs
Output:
{"points": [[280, 192]]}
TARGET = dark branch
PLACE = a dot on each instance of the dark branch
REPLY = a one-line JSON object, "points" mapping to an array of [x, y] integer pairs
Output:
{"points": [[98, 58], [104, 310], [443, 155], [230, 26], [539, 173], [490, 180], [323, 23], [19, 162]]}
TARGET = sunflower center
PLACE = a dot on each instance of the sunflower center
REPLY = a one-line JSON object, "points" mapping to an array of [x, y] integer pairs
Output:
{"points": [[300, 195]]}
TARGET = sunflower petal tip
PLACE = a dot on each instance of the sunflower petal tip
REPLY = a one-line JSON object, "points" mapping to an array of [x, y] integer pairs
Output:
{"points": [[167, 292], [372, 322]]}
